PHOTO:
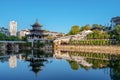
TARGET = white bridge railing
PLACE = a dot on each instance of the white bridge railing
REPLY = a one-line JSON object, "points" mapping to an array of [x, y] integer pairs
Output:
{"points": [[12, 42]]}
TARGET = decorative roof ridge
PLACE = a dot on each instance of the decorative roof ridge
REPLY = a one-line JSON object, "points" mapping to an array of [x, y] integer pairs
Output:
{"points": [[36, 24]]}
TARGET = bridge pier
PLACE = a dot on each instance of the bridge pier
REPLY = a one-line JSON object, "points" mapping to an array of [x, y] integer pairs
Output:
{"points": [[3, 46]]}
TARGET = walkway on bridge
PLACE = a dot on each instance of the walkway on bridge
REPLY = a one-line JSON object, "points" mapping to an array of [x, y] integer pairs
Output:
{"points": [[12, 41]]}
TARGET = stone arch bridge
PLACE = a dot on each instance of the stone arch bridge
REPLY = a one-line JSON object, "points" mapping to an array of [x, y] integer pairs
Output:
{"points": [[10, 45]]}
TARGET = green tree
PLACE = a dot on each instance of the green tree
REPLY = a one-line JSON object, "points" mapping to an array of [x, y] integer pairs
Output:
{"points": [[86, 27], [116, 33], [117, 29], [97, 27], [24, 38], [3, 36], [96, 34], [13, 38], [74, 30]]}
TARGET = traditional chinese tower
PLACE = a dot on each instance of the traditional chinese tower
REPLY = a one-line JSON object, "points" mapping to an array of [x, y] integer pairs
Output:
{"points": [[36, 33]]}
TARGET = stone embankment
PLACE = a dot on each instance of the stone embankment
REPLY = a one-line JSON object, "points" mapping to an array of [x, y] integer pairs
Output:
{"points": [[91, 49]]}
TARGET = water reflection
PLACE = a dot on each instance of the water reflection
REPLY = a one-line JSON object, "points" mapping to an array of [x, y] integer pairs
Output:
{"points": [[36, 61], [72, 58], [95, 61], [13, 61], [115, 69]]}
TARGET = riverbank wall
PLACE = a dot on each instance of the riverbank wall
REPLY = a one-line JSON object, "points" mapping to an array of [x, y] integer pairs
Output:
{"points": [[90, 49]]}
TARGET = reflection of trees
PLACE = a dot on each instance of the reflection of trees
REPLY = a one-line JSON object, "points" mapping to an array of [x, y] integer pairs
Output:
{"points": [[97, 60], [85, 67], [98, 63], [2, 59], [74, 65], [93, 55], [115, 69], [102, 61]]}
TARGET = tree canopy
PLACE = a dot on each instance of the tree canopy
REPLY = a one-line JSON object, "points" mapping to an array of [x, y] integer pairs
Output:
{"points": [[117, 29], [86, 27], [97, 27], [3, 36], [98, 35], [8, 38], [74, 30]]}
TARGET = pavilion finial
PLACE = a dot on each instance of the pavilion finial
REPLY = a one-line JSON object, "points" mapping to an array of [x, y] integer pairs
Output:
{"points": [[36, 20]]}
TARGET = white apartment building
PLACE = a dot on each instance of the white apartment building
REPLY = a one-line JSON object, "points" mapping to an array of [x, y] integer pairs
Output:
{"points": [[13, 28], [23, 33], [54, 34]]}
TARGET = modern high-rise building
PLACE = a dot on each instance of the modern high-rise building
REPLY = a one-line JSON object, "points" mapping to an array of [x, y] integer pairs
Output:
{"points": [[13, 28], [115, 21]]}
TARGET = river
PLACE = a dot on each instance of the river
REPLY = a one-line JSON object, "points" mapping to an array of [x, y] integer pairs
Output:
{"points": [[62, 65]]}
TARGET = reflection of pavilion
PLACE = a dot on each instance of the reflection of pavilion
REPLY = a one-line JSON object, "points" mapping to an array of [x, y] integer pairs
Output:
{"points": [[36, 66], [13, 61], [68, 56], [37, 59]]}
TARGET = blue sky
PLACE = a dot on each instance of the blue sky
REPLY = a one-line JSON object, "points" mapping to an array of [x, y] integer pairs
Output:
{"points": [[58, 15]]}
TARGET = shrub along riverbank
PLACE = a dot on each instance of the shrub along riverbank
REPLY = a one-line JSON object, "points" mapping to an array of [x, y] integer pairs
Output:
{"points": [[94, 42]]}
